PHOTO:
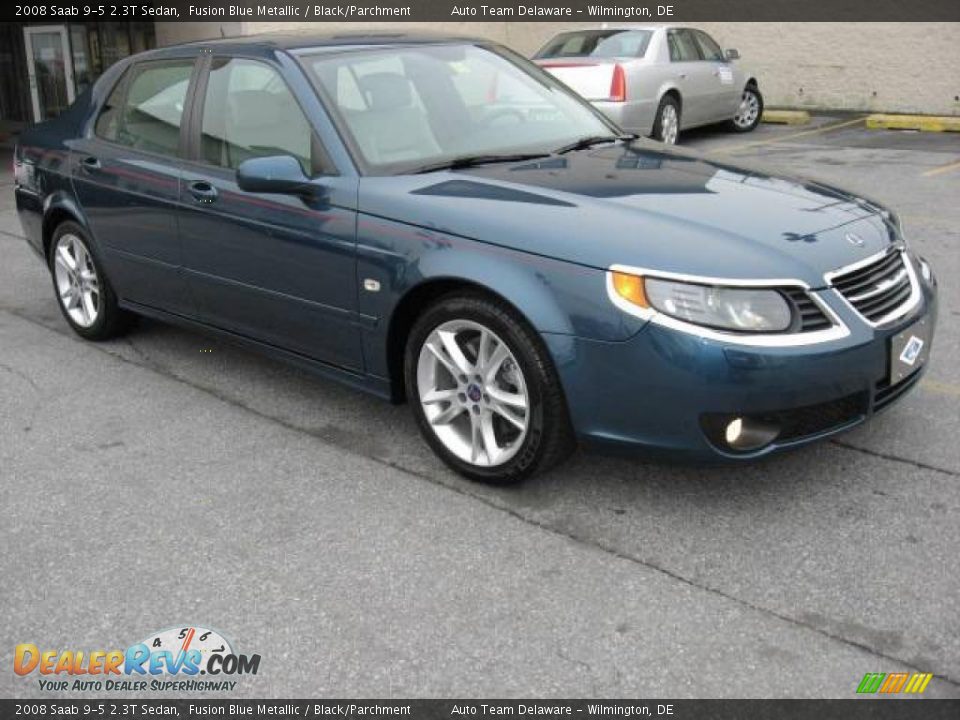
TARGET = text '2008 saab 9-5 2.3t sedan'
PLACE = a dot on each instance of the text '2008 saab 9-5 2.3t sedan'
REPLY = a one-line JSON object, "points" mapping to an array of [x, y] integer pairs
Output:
{"points": [[520, 271]]}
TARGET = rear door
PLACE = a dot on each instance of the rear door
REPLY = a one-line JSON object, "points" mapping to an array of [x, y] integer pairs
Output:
{"points": [[693, 77], [126, 173], [277, 268]]}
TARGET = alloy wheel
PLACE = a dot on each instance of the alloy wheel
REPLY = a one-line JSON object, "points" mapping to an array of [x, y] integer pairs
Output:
{"points": [[669, 124], [748, 111], [78, 285], [473, 393]]}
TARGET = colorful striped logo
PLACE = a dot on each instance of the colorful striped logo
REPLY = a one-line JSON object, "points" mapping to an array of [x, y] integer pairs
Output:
{"points": [[889, 683]]}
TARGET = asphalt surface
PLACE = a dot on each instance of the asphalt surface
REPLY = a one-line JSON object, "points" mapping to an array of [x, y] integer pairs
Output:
{"points": [[168, 479]]}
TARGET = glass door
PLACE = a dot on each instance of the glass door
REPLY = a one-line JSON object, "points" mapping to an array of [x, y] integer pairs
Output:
{"points": [[50, 69]]}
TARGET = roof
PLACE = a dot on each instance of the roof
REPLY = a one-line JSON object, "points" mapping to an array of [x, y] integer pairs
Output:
{"points": [[265, 45], [311, 39]]}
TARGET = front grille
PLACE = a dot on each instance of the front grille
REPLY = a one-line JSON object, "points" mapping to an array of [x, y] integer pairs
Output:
{"points": [[878, 289], [809, 315]]}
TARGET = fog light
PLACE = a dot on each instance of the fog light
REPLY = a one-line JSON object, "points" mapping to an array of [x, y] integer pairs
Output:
{"points": [[734, 431], [925, 270], [741, 433], [751, 433]]}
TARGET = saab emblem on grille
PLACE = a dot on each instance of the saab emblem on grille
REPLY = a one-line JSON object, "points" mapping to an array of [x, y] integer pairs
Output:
{"points": [[855, 239], [912, 350], [887, 284]]}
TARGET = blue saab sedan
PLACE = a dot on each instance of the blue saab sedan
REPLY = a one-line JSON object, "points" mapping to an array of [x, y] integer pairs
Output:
{"points": [[438, 220]]}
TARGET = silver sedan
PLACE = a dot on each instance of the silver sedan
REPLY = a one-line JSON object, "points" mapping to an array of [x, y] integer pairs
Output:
{"points": [[656, 80]]}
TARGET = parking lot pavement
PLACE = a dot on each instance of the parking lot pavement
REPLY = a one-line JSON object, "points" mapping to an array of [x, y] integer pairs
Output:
{"points": [[169, 478]]}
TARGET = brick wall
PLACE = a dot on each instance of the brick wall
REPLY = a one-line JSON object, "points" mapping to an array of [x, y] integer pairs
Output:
{"points": [[892, 67]]}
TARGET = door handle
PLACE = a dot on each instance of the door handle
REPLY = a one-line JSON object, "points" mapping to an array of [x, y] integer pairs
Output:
{"points": [[90, 164], [202, 191], [682, 76]]}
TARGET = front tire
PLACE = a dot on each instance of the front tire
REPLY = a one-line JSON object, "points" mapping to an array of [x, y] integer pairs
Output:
{"points": [[484, 391], [666, 127], [83, 292], [749, 112]]}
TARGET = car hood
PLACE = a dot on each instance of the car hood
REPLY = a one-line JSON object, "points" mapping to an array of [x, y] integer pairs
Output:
{"points": [[640, 205]]}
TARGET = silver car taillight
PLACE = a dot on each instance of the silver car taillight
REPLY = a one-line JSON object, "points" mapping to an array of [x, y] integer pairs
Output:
{"points": [[618, 85]]}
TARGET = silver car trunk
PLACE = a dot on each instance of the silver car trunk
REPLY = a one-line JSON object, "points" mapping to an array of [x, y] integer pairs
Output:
{"points": [[589, 77]]}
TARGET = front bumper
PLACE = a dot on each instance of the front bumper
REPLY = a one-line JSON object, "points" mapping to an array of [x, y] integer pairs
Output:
{"points": [[652, 392]]}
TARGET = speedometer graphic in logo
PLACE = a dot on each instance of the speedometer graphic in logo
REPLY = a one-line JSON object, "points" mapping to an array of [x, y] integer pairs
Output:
{"points": [[181, 640]]}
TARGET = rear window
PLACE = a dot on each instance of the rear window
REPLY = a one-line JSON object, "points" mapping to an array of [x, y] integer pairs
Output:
{"points": [[146, 111], [683, 47], [597, 43]]}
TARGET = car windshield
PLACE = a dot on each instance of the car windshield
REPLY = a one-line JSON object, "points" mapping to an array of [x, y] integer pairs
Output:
{"points": [[403, 108], [598, 44]]}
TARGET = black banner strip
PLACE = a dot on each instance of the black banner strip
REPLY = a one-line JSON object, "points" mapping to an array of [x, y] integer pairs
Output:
{"points": [[597, 11], [863, 709]]}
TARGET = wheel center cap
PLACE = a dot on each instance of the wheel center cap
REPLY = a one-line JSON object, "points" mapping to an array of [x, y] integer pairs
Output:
{"points": [[474, 393]]}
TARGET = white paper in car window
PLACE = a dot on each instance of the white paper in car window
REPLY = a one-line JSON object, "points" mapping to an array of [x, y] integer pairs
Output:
{"points": [[726, 75]]}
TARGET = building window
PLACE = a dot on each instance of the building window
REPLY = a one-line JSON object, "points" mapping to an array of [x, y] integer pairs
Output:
{"points": [[93, 47]]}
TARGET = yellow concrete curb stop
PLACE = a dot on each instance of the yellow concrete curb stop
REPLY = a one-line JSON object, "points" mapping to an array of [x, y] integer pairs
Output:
{"points": [[926, 123], [786, 117]]}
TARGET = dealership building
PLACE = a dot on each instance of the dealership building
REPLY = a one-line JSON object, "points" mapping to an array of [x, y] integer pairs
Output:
{"points": [[889, 67]]}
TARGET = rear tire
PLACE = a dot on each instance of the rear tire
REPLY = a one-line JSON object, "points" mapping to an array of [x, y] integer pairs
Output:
{"points": [[484, 391], [666, 127], [80, 284], [750, 111]]}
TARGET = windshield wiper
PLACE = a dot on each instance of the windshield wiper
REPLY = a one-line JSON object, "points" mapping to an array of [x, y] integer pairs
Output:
{"points": [[591, 140], [468, 161]]}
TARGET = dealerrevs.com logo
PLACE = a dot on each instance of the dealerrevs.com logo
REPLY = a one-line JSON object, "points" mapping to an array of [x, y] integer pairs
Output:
{"points": [[170, 660]]}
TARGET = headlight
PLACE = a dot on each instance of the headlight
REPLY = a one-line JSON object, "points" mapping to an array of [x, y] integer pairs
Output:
{"points": [[727, 308]]}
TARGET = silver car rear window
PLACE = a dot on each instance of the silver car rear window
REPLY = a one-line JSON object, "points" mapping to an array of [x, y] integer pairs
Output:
{"points": [[597, 43]]}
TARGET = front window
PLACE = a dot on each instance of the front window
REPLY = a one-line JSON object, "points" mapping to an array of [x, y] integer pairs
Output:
{"points": [[708, 47], [407, 107], [598, 44], [248, 112]]}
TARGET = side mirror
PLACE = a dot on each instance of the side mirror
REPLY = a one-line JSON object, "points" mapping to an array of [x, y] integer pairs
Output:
{"points": [[274, 174], [732, 54]]}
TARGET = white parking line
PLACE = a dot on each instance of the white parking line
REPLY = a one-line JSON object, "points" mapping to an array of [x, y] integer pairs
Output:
{"points": [[942, 169], [774, 140]]}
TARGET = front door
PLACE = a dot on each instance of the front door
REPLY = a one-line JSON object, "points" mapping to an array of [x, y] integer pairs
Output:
{"points": [[274, 267], [49, 69], [694, 77], [725, 95]]}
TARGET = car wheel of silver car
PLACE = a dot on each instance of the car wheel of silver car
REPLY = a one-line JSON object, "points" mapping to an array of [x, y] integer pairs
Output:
{"points": [[484, 391], [666, 128], [750, 110], [83, 292]]}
